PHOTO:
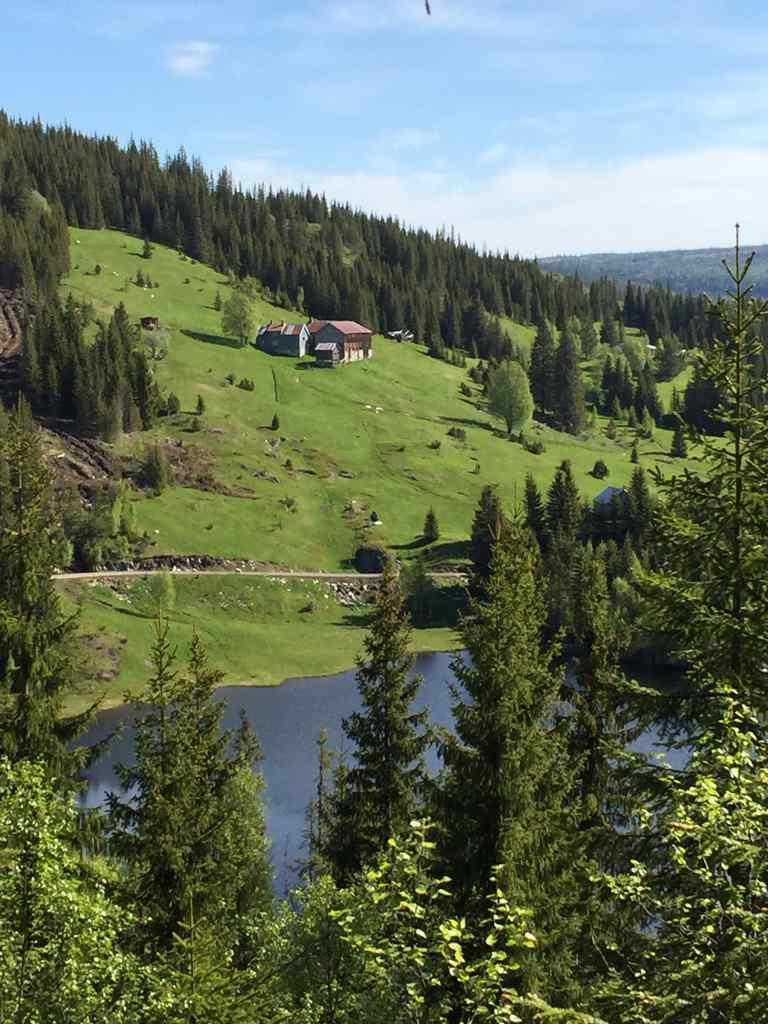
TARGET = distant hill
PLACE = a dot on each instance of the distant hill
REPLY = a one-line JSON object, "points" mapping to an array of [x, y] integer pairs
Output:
{"points": [[683, 270]]}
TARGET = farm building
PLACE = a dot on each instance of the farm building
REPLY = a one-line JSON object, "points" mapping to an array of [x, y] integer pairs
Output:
{"points": [[283, 339], [353, 341], [327, 353], [150, 323], [609, 494]]}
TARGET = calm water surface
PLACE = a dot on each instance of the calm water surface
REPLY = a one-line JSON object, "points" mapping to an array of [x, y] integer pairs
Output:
{"points": [[287, 720]]}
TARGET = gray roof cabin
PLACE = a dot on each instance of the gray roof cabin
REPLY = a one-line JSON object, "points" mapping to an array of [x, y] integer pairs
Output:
{"points": [[353, 341], [283, 339]]}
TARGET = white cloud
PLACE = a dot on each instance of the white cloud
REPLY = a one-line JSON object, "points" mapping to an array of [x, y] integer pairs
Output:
{"points": [[191, 59], [494, 153], [683, 200]]}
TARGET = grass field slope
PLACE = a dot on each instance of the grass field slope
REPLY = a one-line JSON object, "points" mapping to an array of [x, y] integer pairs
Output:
{"points": [[368, 437], [364, 438]]}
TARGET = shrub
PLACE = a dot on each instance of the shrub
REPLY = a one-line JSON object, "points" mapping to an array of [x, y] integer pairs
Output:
{"points": [[599, 470], [431, 529], [535, 447], [275, 422], [230, 378], [246, 384], [435, 445], [458, 432], [196, 424], [155, 472], [465, 389], [97, 269], [610, 430], [200, 406], [173, 405]]}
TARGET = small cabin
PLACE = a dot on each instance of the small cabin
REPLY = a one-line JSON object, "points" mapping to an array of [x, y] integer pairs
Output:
{"points": [[279, 338], [353, 341], [327, 353], [149, 323]]}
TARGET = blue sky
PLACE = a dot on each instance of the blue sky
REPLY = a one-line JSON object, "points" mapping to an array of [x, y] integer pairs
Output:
{"points": [[543, 128]]}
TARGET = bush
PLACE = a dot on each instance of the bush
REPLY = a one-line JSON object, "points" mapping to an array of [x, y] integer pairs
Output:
{"points": [[599, 470], [434, 445], [431, 530], [458, 432], [465, 389], [172, 404], [200, 406], [275, 422], [155, 472], [247, 384], [196, 424], [535, 447], [230, 378]]}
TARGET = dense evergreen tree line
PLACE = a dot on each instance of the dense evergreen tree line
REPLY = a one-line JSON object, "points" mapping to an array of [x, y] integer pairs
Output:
{"points": [[324, 258], [105, 386]]}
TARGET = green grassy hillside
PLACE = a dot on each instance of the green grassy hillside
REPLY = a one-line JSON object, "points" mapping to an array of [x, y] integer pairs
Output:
{"points": [[257, 630], [352, 440]]}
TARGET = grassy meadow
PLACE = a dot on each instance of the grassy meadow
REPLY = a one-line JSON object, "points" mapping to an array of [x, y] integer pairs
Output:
{"points": [[368, 437], [355, 440], [258, 631]]}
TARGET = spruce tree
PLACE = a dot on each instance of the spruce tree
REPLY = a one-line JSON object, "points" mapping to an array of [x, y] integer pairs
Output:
{"points": [[488, 525], [703, 871], [541, 371], [381, 791], [569, 387], [36, 637], [534, 509], [431, 530], [507, 773], [186, 829], [679, 447], [564, 507]]}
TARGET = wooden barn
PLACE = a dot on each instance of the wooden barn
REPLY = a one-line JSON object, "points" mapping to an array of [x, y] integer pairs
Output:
{"points": [[351, 340], [283, 339]]}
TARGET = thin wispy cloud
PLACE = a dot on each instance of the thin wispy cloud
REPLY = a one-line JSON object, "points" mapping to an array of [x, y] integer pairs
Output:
{"points": [[191, 59], [493, 154], [678, 200]]}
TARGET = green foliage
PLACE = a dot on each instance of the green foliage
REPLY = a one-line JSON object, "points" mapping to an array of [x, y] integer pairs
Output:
{"points": [[238, 316], [173, 404], [62, 941], [569, 388], [431, 530], [599, 470], [378, 794], [186, 834], [155, 472], [488, 526], [679, 448], [509, 396], [507, 773], [146, 251], [200, 405], [275, 425], [162, 592], [36, 665]]}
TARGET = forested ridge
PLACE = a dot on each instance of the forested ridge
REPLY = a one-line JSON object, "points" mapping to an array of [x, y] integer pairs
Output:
{"points": [[323, 258]]}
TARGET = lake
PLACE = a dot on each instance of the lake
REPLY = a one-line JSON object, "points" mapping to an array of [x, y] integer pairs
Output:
{"points": [[288, 720]]}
